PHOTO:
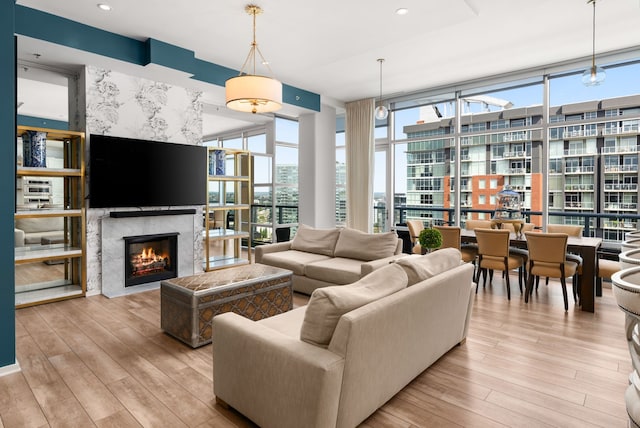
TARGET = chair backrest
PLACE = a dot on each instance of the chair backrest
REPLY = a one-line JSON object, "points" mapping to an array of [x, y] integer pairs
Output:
{"points": [[415, 227], [477, 224], [493, 242], [547, 247], [450, 236], [569, 229]]}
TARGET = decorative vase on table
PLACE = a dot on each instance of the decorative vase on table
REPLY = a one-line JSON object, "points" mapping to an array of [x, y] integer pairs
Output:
{"points": [[34, 149]]}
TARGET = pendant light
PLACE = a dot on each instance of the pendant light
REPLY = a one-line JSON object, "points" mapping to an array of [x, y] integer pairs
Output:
{"points": [[381, 111], [594, 75], [251, 92]]}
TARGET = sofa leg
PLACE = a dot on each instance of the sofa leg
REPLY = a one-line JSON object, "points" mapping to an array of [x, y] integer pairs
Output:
{"points": [[222, 403]]}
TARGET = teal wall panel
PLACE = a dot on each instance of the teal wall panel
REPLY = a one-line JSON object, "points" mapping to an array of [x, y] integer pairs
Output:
{"points": [[40, 122], [7, 183]]}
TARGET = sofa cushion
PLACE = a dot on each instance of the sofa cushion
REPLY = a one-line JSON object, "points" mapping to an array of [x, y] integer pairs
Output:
{"points": [[292, 260], [336, 270], [43, 224], [318, 241], [328, 304], [354, 244], [419, 268], [287, 323]]}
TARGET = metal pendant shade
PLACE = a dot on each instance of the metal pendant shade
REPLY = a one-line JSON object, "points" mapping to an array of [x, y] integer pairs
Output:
{"points": [[252, 93]]}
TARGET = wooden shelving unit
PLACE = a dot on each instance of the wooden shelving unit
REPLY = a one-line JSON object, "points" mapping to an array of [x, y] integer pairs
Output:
{"points": [[55, 267], [227, 215]]}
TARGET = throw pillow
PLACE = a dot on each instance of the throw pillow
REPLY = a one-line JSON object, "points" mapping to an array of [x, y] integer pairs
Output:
{"points": [[328, 304], [419, 268], [354, 244], [317, 241]]}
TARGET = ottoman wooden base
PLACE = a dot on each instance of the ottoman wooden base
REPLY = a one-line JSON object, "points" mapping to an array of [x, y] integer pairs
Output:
{"points": [[255, 291]]}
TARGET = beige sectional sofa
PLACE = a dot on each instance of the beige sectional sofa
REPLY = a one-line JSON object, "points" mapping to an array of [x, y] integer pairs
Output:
{"points": [[30, 231], [335, 361], [325, 257]]}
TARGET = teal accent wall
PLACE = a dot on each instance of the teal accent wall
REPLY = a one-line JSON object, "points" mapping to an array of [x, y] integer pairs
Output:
{"points": [[62, 31], [7, 183], [40, 122]]}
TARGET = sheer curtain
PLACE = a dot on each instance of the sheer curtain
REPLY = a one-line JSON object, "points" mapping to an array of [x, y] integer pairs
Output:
{"points": [[360, 150]]}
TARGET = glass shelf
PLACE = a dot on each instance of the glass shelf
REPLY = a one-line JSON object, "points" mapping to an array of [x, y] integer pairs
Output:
{"points": [[46, 252]]}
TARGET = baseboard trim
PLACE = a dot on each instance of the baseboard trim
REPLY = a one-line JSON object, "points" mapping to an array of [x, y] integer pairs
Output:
{"points": [[10, 369]]}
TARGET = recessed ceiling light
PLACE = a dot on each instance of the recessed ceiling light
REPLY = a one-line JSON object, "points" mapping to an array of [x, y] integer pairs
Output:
{"points": [[104, 6], [402, 11]]}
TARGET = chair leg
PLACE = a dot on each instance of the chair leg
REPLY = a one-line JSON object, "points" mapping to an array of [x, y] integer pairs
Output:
{"points": [[564, 293], [529, 288], [506, 275], [521, 277], [490, 276], [484, 278], [537, 282]]}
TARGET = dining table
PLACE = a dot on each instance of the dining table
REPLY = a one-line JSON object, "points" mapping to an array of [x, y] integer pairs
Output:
{"points": [[585, 247]]}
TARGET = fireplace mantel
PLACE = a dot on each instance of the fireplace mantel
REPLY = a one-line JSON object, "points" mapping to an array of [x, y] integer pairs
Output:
{"points": [[115, 229]]}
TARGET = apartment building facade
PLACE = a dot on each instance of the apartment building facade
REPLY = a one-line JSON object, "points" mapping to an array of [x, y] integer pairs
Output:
{"points": [[593, 163]]}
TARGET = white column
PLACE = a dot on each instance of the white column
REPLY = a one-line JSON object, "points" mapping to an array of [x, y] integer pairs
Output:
{"points": [[317, 168]]}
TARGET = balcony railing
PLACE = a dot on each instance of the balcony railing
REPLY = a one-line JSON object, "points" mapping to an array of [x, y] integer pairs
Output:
{"points": [[517, 154], [620, 168], [579, 187], [632, 187], [604, 225], [587, 169], [517, 171], [582, 151], [621, 130], [621, 206], [621, 149], [578, 205]]}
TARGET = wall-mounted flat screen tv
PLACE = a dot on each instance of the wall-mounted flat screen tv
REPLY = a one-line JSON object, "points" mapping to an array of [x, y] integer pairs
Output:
{"points": [[126, 172]]}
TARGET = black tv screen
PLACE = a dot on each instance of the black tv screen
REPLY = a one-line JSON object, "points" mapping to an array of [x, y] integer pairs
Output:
{"points": [[126, 172]]}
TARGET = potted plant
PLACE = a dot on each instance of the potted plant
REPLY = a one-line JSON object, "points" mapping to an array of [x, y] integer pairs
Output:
{"points": [[429, 239]]}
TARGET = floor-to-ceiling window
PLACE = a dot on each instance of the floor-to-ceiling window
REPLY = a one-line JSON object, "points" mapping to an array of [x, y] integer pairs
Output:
{"points": [[286, 174], [573, 154]]}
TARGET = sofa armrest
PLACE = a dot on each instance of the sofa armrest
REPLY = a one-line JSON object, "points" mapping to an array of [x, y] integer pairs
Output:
{"points": [[272, 378], [368, 267], [261, 250], [19, 237]]}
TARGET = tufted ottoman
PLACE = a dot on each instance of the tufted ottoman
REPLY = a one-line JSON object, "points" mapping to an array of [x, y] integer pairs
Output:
{"points": [[255, 291]]}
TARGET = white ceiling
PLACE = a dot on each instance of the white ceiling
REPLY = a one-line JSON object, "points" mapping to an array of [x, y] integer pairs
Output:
{"points": [[331, 47]]}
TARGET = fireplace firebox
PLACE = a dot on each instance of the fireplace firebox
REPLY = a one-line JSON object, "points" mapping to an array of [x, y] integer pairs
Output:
{"points": [[150, 258]]}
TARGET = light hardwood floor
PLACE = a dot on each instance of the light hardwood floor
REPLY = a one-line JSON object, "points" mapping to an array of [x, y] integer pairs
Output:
{"points": [[105, 362]]}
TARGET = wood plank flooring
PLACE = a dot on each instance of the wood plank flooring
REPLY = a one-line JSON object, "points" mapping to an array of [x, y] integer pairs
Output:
{"points": [[105, 362]]}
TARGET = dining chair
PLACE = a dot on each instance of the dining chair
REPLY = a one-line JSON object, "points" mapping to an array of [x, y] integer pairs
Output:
{"points": [[487, 224], [548, 257], [571, 230], [477, 224], [451, 239], [493, 254], [415, 227]]}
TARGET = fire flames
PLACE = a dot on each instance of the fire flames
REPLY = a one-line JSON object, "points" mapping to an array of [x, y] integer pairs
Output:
{"points": [[147, 261]]}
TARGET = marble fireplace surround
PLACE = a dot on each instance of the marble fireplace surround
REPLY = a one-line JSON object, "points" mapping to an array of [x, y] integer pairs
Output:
{"points": [[114, 229]]}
